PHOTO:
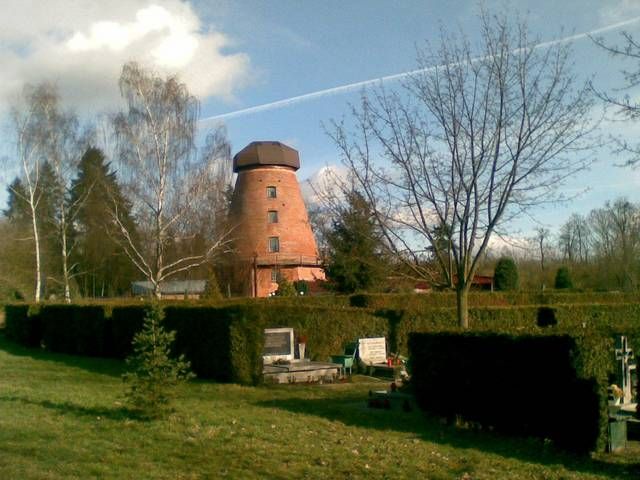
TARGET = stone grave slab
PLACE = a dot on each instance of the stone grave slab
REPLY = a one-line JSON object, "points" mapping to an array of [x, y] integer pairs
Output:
{"points": [[281, 366]]}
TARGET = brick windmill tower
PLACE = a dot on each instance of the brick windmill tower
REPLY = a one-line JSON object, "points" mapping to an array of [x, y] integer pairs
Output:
{"points": [[273, 238]]}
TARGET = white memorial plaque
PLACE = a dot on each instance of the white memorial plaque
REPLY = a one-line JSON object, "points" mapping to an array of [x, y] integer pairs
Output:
{"points": [[372, 350]]}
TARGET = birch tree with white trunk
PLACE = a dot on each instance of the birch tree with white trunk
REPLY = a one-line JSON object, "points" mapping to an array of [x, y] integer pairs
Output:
{"points": [[164, 177], [29, 117], [66, 142]]}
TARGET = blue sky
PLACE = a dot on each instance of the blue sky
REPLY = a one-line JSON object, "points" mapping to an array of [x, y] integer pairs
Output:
{"points": [[243, 53], [297, 50]]}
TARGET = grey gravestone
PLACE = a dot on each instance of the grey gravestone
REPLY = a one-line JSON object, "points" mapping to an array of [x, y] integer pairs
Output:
{"points": [[278, 344]]}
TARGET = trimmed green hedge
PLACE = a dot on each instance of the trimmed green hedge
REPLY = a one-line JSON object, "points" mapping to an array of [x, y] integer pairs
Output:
{"points": [[126, 321], [488, 299], [548, 386], [22, 324], [76, 329], [609, 319], [224, 340]]}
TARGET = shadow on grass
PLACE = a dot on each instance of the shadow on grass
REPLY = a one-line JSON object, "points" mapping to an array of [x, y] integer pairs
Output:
{"points": [[103, 366], [117, 413], [352, 410]]}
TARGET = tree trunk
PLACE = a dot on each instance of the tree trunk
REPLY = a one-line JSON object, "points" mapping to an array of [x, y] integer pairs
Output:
{"points": [[65, 258], [542, 265], [36, 239], [462, 304]]}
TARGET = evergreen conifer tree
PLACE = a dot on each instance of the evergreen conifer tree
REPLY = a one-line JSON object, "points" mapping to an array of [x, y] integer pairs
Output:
{"points": [[154, 373], [105, 269], [563, 278], [212, 288], [506, 274], [354, 253], [17, 208]]}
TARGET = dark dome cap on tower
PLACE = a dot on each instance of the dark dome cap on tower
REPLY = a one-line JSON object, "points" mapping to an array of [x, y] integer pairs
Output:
{"points": [[266, 153]]}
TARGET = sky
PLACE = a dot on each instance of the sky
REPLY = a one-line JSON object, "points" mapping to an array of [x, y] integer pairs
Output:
{"points": [[300, 61]]}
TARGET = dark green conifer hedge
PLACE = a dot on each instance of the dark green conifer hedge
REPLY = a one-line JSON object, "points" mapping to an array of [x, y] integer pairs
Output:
{"points": [[22, 324], [547, 386]]}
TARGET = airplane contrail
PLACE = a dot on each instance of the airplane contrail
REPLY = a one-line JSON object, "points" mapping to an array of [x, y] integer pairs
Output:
{"points": [[389, 78]]}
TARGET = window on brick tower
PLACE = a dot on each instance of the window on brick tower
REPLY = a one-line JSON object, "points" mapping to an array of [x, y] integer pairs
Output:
{"points": [[271, 192], [273, 216], [274, 244]]}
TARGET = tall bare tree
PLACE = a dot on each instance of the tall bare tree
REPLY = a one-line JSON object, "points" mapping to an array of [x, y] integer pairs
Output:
{"points": [[541, 238], [210, 214], [66, 142], [472, 139], [163, 175], [574, 240], [616, 241], [30, 117], [624, 99]]}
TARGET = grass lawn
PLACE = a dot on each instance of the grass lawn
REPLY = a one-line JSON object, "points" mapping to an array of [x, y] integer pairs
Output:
{"points": [[61, 418]]}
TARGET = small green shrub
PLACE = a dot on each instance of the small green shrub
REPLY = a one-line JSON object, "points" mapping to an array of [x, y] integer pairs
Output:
{"points": [[301, 287], [506, 274], [212, 288], [154, 373], [285, 288], [563, 278]]}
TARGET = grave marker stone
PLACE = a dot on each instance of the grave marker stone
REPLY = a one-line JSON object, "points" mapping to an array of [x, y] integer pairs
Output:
{"points": [[278, 345], [372, 350], [625, 357]]}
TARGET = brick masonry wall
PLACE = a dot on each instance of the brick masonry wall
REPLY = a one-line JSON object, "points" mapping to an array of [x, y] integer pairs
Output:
{"points": [[250, 208], [266, 286]]}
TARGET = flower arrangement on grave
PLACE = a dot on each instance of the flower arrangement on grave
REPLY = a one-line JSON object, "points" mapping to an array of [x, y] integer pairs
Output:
{"points": [[616, 392], [302, 339]]}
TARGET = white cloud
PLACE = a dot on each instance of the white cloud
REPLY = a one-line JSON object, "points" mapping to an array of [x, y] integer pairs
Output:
{"points": [[82, 46], [615, 11], [515, 246], [326, 184]]}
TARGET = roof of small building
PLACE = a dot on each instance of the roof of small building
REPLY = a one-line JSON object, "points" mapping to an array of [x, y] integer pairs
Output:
{"points": [[483, 279], [266, 153], [172, 287]]}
